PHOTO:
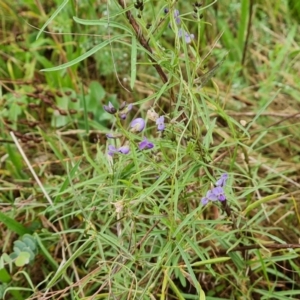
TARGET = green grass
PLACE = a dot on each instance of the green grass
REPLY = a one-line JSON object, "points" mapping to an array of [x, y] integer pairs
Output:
{"points": [[79, 224]]}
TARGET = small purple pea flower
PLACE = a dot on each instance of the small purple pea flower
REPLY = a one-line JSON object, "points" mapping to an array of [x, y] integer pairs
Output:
{"points": [[187, 37], [124, 111], [222, 181], [124, 149], [145, 144], [137, 125], [216, 193], [176, 16], [112, 150], [110, 108], [204, 200], [160, 122]]}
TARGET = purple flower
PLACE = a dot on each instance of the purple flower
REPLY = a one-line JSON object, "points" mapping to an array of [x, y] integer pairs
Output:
{"points": [[215, 194], [124, 149], [112, 150], [124, 110], [176, 16], [145, 144], [160, 122], [218, 194], [222, 181], [110, 108], [137, 125], [204, 200], [188, 37]]}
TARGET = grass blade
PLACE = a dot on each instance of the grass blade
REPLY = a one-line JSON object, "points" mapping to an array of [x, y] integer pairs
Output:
{"points": [[85, 55], [13, 224], [52, 17], [133, 61]]}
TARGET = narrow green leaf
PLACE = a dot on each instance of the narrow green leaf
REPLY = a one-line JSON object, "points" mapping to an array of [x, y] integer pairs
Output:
{"points": [[243, 23], [85, 111], [52, 17], [102, 22], [64, 266], [174, 288], [259, 202], [133, 61], [66, 183], [211, 261], [45, 252], [85, 55], [13, 224]]}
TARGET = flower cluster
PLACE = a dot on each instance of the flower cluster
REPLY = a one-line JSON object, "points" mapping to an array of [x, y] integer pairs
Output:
{"points": [[216, 193], [137, 125], [181, 32]]}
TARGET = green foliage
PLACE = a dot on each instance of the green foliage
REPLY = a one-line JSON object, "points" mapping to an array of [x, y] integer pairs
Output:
{"points": [[294, 7], [132, 226], [13, 225], [24, 252]]}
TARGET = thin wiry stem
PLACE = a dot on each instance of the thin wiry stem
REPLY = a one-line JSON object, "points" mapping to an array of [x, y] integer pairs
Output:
{"points": [[248, 32]]}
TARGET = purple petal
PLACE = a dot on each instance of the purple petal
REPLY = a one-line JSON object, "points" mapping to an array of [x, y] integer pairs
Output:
{"points": [[219, 193], [222, 181], [109, 108], [123, 116], [176, 16], [187, 37], [111, 150], [210, 195], [204, 201], [180, 32], [160, 122], [125, 110], [124, 149], [222, 198], [137, 125], [145, 144]]}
